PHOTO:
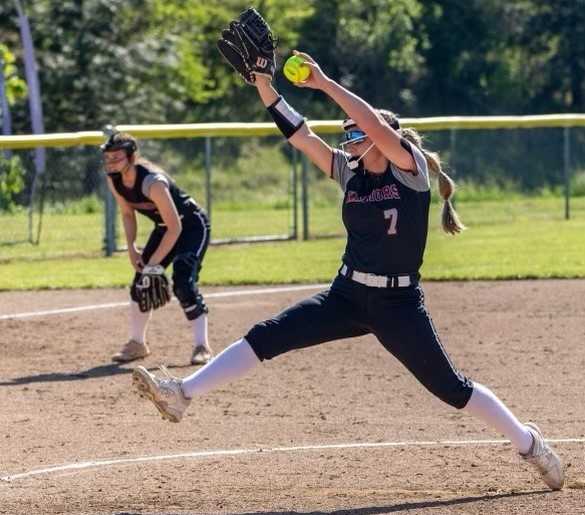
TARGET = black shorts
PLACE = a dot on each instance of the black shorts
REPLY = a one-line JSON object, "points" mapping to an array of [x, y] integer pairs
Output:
{"points": [[396, 316]]}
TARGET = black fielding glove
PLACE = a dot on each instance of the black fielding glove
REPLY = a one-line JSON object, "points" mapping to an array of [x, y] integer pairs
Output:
{"points": [[152, 288], [248, 46]]}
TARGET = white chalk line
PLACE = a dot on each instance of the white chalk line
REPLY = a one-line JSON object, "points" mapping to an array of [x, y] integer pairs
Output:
{"points": [[214, 295], [229, 452], [261, 450]]}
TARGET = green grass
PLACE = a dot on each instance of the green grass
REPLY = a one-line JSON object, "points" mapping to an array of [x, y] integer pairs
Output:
{"points": [[81, 235], [523, 238]]}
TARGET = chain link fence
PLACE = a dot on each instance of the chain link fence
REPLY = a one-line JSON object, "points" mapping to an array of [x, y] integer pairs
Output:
{"points": [[249, 189], [258, 188]]}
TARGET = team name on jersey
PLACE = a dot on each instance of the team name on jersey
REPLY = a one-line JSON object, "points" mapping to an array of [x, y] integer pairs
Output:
{"points": [[387, 192]]}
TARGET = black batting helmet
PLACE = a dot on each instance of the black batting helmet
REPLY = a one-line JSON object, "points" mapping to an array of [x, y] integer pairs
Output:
{"points": [[120, 141]]}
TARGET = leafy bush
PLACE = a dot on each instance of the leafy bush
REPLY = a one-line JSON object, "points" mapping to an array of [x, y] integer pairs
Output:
{"points": [[11, 182], [578, 184]]}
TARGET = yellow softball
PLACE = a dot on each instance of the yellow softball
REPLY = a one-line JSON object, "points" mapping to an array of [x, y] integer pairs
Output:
{"points": [[295, 69]]}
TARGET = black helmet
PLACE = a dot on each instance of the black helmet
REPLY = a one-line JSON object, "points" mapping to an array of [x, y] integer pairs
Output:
{"points": [[119, 141]]}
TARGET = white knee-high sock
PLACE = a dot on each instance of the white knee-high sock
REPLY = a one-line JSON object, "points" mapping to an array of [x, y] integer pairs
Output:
{"points": [[199, 328], [138, 322], [486, 406], [234, 362]]}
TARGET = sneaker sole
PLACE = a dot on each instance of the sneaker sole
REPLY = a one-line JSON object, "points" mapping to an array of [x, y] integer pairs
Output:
{"points": [[128, 360], [144, 386]]}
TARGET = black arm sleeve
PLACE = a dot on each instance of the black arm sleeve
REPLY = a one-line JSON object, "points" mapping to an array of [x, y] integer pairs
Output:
{"points": [[285, 117]]}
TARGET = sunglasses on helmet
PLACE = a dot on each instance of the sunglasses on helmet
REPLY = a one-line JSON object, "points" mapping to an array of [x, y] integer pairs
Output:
{"points": [[354, 136]]}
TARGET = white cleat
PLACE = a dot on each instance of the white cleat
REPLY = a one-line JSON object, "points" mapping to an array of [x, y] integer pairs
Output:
{"points": [[165, 393], [545, 460]]}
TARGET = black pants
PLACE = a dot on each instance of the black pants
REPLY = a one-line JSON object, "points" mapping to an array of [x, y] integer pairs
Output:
{"points": [[396, 316], [186, 257], [193, 239]]}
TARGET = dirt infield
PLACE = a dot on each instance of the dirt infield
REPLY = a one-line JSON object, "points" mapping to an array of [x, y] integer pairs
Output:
{"points": [[75, 438]]}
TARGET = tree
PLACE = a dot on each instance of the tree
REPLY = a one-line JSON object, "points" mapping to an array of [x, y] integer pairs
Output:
{"points": [[11, 171], [371, 47], [212, 89], [15, 86], [550, 39], [470, 68]]}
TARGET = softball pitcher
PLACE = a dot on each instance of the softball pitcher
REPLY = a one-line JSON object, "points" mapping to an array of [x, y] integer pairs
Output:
{"points": [[383, 171], [180, 236]]}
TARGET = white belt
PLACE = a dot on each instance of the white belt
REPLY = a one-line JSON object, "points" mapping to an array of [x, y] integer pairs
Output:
{"points": [[377, 281]]}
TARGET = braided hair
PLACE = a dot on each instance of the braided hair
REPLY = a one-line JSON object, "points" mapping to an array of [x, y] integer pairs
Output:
{"points": [[449, 217]]}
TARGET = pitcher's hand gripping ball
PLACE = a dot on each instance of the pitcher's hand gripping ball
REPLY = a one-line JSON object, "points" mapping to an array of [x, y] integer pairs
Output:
{"points": [[295, 69], [152, 288], [248, 46]]}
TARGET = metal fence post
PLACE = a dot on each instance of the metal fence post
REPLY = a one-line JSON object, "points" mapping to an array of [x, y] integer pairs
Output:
{"points": [[452, 157], [567, 169], [305, 196], [110, 236], [208, 151], [295, 193], [452, 151]]}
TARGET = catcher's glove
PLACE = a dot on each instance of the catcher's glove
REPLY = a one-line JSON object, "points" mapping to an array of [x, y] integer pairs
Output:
{"points": [[152, 288], [248, 46]]}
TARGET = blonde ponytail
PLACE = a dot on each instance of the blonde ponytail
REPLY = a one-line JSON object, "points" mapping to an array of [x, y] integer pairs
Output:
{"points": [[449, 217]]}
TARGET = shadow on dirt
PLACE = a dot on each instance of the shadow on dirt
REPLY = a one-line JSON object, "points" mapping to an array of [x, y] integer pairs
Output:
{"points": [[111, 369], [408, 506]]}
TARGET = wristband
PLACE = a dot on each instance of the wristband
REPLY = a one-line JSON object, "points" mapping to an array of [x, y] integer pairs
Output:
{"points": [[285, 117]]}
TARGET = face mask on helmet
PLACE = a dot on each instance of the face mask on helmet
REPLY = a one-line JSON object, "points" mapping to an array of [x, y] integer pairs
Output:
{"points": [[116, 141], [353, 135]]}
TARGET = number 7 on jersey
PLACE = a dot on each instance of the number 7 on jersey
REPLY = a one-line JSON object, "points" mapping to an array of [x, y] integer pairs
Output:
{"points": [[392, 215]]}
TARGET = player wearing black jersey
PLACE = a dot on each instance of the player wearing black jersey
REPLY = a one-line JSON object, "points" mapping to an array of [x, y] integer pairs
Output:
{"points": [[383, 171], [180, 236]]}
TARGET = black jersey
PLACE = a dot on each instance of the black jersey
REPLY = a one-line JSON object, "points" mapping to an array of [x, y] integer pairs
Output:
{"points": [[385, 215], [137, 196]]}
